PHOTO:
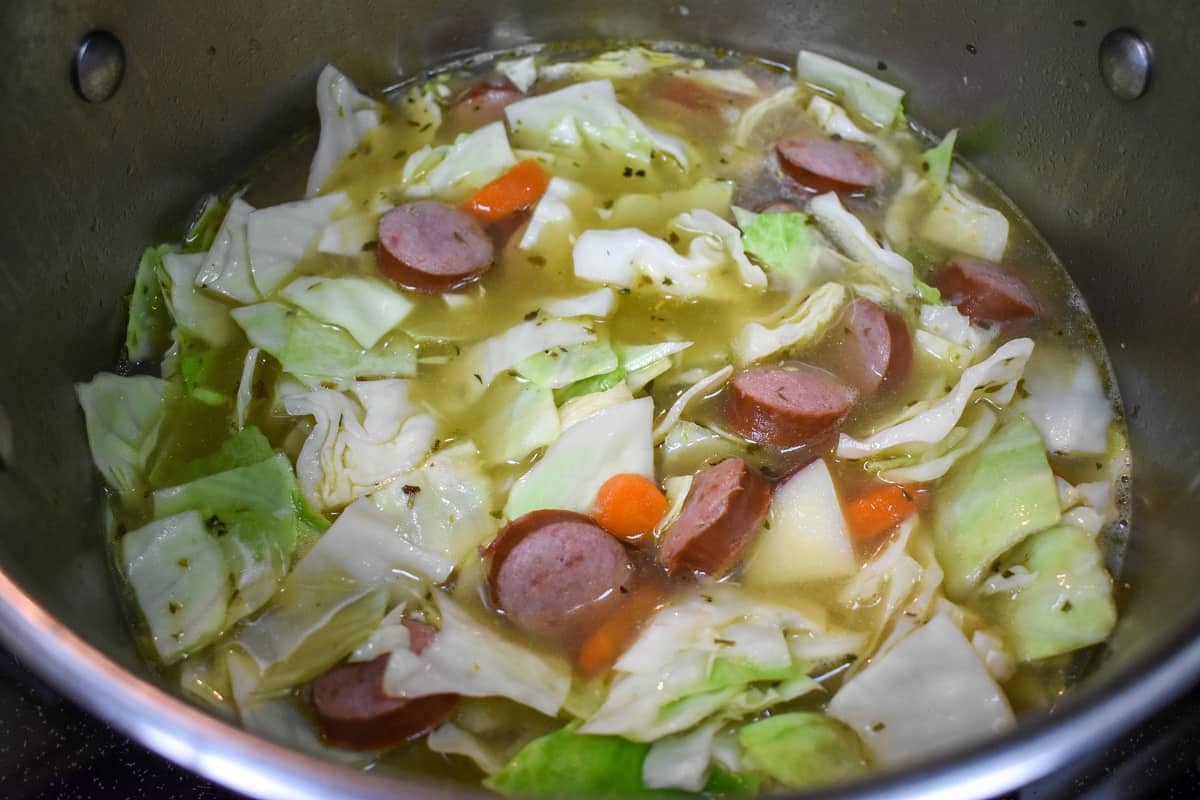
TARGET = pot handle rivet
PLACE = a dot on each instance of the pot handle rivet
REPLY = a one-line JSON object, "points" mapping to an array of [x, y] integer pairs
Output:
{"points": [[98, 66], [1125, 64]]}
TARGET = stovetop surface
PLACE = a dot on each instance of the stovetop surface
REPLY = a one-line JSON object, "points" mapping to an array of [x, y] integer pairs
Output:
{"points": [[50, 749]]}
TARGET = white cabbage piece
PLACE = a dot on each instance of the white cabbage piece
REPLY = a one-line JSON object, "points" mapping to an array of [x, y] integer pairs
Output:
{"points": [[620, 256], [718, 655], [194, 312], [849, 234], [785, 98], [627, 62], [612, 441], [886, 583], [651, 211], [929, 694], [564, 366], [226, 267], [245, 390], [644, 363], [577, 409], [706, 385], [806, 538], [948, 335], [1066, 402], [804, 326], [996, 377], [123, 415], [358, 441], [483, 361], [600, 303], [564, 118], [445, 505], [929, 464], [520, 418], [521, 72], [680, 761], [868, 96], [556, 217], [734, 81], [347, 115], [833, 120], [961, 223], [472, 161], [351, 234], [366, 307], [277, 237], [178, 575], [469, 658]]}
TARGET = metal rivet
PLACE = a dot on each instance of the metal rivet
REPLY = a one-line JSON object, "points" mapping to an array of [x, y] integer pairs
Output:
{"points": [[1125, 64], [98, 67]]}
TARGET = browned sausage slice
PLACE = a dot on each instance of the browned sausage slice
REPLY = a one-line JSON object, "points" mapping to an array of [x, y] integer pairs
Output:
{"points": [[828, 166], [431, 248], [780, 207], [353, 712], [875, 349], [692, 95], [556, 573], [787, 405], [723, 510], [985, 291], [482, 104]]}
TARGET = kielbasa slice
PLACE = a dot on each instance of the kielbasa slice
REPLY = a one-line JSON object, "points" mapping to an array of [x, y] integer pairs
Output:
{"points": [[875, 349], [692, 95], [557, 573], [786, 406], [482, 104], [824, 165], [353, 712], [431, 248], [985, 291], [724, 508]]}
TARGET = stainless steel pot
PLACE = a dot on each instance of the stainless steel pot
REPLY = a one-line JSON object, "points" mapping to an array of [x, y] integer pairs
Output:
{"points": [[207, 86]]}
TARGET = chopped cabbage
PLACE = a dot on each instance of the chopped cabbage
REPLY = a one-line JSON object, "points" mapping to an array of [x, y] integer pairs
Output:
{"points": [[563, 366], [803, 749], [783, 243], [995, 378], [680, 761], [177, 571], [654, 211], [580, 408], [226, 268], [928, 464], [1066, 402], [483, 361], [833, 120], [123, 417], [868, 96], [1067, 602], [555, 219], [195, 313], [353, 234], [689, 446], [521, 418], [562, 119], [948, 335], [470, 659], [612, 441], [322, 355], [805, 538], [755, 114], [346, 117], [961, 223], [852, 237], [733, 81], [628, 62], [365, 307], [278, 237], [990, 501], [886, 582], [445, 505], [804, 326], [245, 391], [937, 160], [568, 764], [927, 695], [148, 332], [600, 303], [355, 447], [705, 385], [520, 72], [473, 160]]}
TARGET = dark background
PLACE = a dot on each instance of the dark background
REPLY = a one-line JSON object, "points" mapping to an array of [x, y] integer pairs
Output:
{"points": [[52, 750]]}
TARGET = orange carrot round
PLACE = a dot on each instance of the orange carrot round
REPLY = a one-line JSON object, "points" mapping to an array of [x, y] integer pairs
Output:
{"points": [[516, 189], [629, 506], [881, 509]]}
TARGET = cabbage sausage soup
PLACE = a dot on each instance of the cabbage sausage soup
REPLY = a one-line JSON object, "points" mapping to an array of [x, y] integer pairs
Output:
{"points": [[614, 422]]}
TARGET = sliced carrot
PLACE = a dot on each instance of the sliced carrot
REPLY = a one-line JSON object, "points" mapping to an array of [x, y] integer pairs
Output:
{"points": [[605, 645], [516, 189], [629, 506], [881, 509]]}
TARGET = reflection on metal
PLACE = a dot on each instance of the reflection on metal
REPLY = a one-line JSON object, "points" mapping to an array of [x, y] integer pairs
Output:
{"points": [[99, 66], [1125, 64]]}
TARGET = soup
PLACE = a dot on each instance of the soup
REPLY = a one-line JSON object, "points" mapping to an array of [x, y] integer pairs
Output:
{"points": [[617, 421]]}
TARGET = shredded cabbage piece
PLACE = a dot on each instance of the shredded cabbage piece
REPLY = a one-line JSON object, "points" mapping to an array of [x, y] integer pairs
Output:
{"points": [[803, 327], [347, 116], [875, 100]]}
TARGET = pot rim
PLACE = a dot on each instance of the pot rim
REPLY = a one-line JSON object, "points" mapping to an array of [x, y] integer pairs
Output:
{"points": [[226, 754]]}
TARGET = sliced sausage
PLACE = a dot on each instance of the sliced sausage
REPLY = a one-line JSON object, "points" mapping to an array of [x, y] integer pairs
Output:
{"points": [[779, 207], [482, 104], [985, 291], [787, 405], [692, 95], [353, 712], [824, 165], [724, 508], [875, 347], [432, 248], [557, 573]]}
